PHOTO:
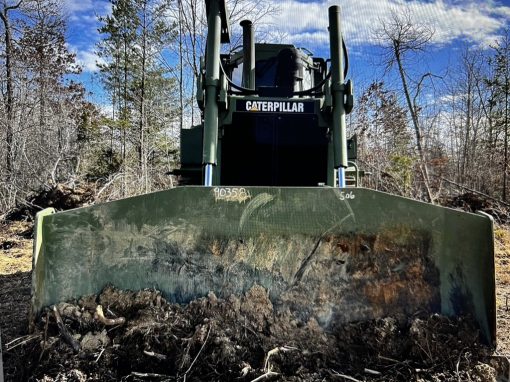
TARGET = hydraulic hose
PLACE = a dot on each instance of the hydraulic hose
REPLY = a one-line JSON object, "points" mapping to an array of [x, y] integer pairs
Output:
{"points": [[246, 91]]}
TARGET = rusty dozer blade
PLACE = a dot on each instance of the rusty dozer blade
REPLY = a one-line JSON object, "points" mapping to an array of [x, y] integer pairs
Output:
{"points": [[337, 255]]}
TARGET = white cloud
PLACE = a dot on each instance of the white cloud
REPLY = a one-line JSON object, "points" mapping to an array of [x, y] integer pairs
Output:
{"points": [[79, 6], [82, 32], [106, 109], [83, 18], [474, 21], [88, 60], [73, 6]]}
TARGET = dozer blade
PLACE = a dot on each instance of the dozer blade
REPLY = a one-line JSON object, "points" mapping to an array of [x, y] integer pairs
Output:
{"points": [[337, 255]]}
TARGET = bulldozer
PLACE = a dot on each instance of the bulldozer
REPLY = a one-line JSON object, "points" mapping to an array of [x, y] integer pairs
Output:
{"points": [[272, 198]]}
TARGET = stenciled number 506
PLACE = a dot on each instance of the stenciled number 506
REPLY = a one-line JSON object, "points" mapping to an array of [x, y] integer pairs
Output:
{"points": [[346, 195]]}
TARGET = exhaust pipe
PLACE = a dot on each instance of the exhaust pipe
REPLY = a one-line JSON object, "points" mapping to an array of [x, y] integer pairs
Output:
{"points": [[248, 55]]}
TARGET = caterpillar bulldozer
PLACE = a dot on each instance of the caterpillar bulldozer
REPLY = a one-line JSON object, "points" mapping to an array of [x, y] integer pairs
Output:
{"points": [[272, 198]]}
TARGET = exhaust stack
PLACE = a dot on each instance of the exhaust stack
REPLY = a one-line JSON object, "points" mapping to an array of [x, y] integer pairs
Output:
{"points": [[248, 54]]}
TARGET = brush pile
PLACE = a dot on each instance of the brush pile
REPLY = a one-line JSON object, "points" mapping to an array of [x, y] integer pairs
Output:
{"points": [[139, 336]]}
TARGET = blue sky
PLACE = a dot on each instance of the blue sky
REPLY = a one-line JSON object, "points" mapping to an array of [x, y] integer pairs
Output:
{"points": [[456, 23]]}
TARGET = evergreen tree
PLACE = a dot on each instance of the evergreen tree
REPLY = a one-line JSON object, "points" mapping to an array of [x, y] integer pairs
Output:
{"points": [[136, 37], [117, 49]]}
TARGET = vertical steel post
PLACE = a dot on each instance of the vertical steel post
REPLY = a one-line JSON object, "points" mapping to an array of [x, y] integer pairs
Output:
{"points": [[337, 90], [248, 55], [212, 76]]}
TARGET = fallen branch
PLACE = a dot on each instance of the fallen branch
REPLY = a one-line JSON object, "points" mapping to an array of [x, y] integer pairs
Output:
{"points": [[389, 359], [267, 366], [347, 377], [19, 341], [457, 364], [71, 341], [274, 351], [372, 372], [246, 369], [265, 376], [196, 357], [45, 340], [100, 354], [148, 375], [476, 192], [161, 357], [99, 315], [108, 184]]}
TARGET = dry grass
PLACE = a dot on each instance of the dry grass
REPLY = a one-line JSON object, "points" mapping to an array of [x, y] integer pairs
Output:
{"points": [[502, 263], [502, 247], [15, 249]]}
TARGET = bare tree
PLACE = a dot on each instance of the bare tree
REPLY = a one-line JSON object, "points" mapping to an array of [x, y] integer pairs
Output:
{"points": [[401, 37], [41, 104], [464, 102], [191, 19], [9, 102], [500, 81], [380, 124]]}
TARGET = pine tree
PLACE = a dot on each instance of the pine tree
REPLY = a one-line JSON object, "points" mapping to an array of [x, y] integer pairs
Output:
{"points": [[136, 38], [117, 49]]}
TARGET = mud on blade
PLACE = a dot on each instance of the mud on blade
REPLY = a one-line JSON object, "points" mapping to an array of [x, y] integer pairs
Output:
{"points": [[331, 254]]}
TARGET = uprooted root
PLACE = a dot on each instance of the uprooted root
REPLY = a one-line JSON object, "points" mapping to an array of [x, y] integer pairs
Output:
{"points": [[139, 337]]}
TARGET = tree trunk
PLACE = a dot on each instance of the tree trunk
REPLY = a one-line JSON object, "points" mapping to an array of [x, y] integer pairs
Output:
{"points": [[505, 163], [417, 129], [4, 16], [181, 70], [141, 151], [466, 159]]}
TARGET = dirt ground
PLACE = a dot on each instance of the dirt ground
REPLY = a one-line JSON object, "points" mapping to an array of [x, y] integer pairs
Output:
{"points": [[242, 338], [238, 339], [502, 248]]}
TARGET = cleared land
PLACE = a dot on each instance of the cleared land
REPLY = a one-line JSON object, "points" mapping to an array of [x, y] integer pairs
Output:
{"points": [[236, 339]]}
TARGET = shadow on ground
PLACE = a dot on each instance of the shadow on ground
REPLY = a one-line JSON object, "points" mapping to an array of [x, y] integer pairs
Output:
{"points": [[14, 306]]}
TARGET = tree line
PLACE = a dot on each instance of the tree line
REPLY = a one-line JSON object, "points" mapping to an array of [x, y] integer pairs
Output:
{"points": [[420, 134], [432, 135], [41, 115], [149, 55]]}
